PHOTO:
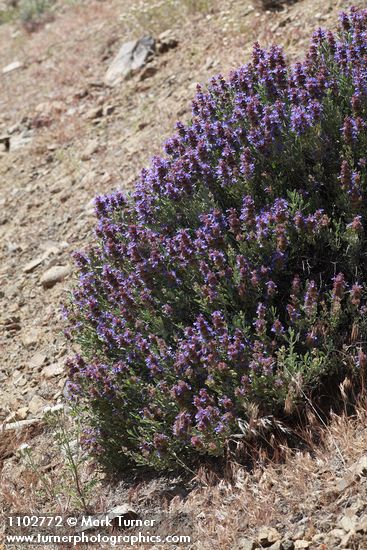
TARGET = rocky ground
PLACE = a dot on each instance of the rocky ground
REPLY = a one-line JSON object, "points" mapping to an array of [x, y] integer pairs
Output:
{"points": [[67, 134]]}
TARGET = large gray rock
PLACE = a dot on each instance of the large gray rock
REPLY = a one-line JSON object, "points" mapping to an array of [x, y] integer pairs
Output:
{"points": [[131, 57]]}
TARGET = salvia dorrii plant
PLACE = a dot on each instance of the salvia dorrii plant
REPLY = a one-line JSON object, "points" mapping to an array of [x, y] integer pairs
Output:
{"points": [[234, 276]]}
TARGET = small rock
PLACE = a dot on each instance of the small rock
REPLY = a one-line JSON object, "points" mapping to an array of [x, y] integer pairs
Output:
{"points": [[37, 360], [65, 196], [95, 112], [53, 370], [30, 339], [299, 544], [358, 506], [288, 545], [20, 424], [166, 41], [108, 110], [22, 413], [21, 140], [276, 546], [10, 401], [90, 150], [30, 266], [15, 128], [209, 63], [348, 523], [20, 381], [267, 536], [54, 275], [49, 109], [246, 544], [148, 71], [53, 147], [36, 404], [10, 418], [51, 249], [300, 533], [5, 140], [337, 533], [362, 524], [131, 57], [12, 323], [12, 67], [165, 34]]}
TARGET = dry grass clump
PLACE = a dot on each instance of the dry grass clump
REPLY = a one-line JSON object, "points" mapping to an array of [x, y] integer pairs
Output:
{"points": [[303, 487], [44, 468]]}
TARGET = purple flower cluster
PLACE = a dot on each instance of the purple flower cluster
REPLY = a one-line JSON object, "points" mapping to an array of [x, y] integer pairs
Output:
{"points": [[241, 249]]}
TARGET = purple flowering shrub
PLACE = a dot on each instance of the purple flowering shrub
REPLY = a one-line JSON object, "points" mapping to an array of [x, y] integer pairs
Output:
{"points": [[234, 275]]}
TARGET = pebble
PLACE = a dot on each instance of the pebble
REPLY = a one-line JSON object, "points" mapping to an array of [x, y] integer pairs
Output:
{"points": [[337, 533], [12, 67], [166, 41], [21, 413], [108, 110], [362, 524], [53, 370], [94, 112], [10, 401], [30, 339], [20, 424], [348, 523], [300, 544], [267, 536], [37, 360], [31, 266], [54, 275], [21, 140], [36, 404], [148, 71], [5, 141], [20, 381], [90, 150]]}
